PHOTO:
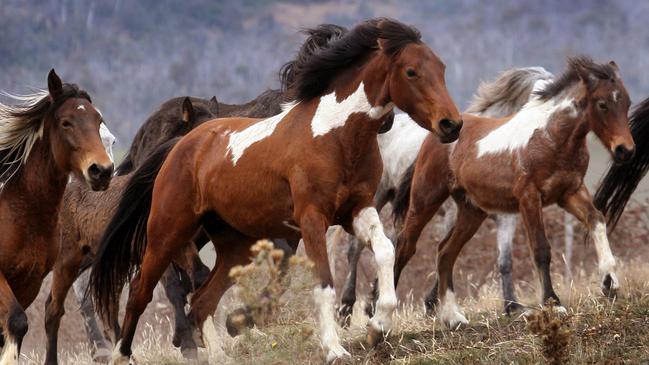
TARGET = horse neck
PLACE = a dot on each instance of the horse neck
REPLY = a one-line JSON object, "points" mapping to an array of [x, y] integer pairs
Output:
{"points": [[570, 129], [41, 182]]}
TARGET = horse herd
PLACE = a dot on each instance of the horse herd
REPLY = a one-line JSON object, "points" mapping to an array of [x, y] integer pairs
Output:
{"points": [[326, 149]]}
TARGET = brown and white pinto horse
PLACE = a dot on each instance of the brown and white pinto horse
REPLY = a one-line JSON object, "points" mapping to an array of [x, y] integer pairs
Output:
{"points": [[315, 164], [521, 164], [43, 140]]}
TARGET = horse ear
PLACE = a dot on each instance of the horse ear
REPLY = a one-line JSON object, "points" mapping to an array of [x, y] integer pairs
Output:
{"points": [[188, 111], [588, 78], [214, 106], [54, 84], [616, 69]]}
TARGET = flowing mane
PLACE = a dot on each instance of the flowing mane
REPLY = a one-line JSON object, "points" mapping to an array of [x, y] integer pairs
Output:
{"points": [[21, 125], [571, 75], [507, 93], [317, 38], [318, 71]]}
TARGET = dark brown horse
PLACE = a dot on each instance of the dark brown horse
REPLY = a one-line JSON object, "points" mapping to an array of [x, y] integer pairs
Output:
{"points": [[42, 141], [520, 164], [315, 164]]}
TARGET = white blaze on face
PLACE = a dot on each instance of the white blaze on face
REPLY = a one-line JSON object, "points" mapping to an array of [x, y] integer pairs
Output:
{"points": [[241, 140], [107, 139], [332, 114], [517, 132], [81, 107], [616, 95]]}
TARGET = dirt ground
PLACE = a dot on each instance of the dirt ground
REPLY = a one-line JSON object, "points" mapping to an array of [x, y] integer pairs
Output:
{"points": [[476, 265]]}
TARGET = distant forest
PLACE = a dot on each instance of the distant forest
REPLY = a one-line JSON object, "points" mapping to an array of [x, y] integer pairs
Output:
{"points": [[133, 55]]}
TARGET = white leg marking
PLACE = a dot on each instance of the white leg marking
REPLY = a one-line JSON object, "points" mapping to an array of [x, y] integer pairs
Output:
{"points": [[334, 237], [569, 238], [505, 237], [10, 352], [215, 352], [325, 298], [118, 358], [604, 254], [450, 312], [368, 228]]}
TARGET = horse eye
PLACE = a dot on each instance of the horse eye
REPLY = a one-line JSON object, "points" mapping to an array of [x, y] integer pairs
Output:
{"points": [[602, 105], [411, 73], [66, 124]]}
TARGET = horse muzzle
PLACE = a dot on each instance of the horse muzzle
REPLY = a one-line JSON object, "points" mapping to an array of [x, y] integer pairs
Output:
{"points": [[449, 130], [622, 154], [99, 176]]}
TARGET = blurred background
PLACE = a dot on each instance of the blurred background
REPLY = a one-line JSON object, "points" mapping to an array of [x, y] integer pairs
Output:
{"points": [[133, 55]]}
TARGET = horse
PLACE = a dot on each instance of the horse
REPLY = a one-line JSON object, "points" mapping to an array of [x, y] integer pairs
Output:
{"points": [[621, 180], [43, 139], [399, 148], [520, 164], [267, 177]]}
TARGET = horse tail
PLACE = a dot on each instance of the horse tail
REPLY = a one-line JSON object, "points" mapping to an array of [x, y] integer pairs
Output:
{"points": [[125, 167], [124, 240], [508, 93], [620, 181], [401, 200], [317, 38]]}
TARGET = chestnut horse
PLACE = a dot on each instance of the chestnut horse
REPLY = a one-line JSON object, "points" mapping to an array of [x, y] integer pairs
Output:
{"points": [[313, 165], [42, 141], [399, 147], [520, 164]]}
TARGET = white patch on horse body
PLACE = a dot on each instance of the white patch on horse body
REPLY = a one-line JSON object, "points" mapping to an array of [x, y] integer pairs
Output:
{"points": [[241, 140], [369, 229], [604, 254], [81, 107], [450, 312], [325, 298], [9, 352], [332, 114], [399, 148], [517, 132]]}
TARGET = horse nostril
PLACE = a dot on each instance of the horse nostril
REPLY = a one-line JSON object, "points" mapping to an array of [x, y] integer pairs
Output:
{"points": [[94, 171], [450, 127], [623, 154]]}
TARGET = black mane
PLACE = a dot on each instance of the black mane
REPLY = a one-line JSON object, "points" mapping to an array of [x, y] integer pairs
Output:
{"points": [[571, 75], [319, 70]]}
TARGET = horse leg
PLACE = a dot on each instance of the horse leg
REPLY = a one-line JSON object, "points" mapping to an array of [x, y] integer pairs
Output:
{"points": [[469, 219], [99, 346], [200, 271], [349, 287], [177, 286], [167, 234], [232, 249], [581, 206], [531, 210], [569, 239], [64, 274], [505, 238], [14, 323]]}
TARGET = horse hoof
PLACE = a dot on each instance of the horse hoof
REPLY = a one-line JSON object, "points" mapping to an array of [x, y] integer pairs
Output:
{"points": [[336, 353], [431, 307], [512, 308], [101, 355], [189, 353], [345, 315], [610, 286], [238, 321], [374, 336]]}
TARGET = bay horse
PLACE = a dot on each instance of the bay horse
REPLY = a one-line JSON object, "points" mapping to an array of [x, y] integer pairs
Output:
{"points": [[399, 147], [266, 177], [621, 180], [83, 217], [44, 139], [520, 164]]}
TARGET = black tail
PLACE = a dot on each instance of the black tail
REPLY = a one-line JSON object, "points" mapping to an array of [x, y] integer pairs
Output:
{"points": [[126, 167], [124, 239], [621, 181], [401, 200], [318, 38]]}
